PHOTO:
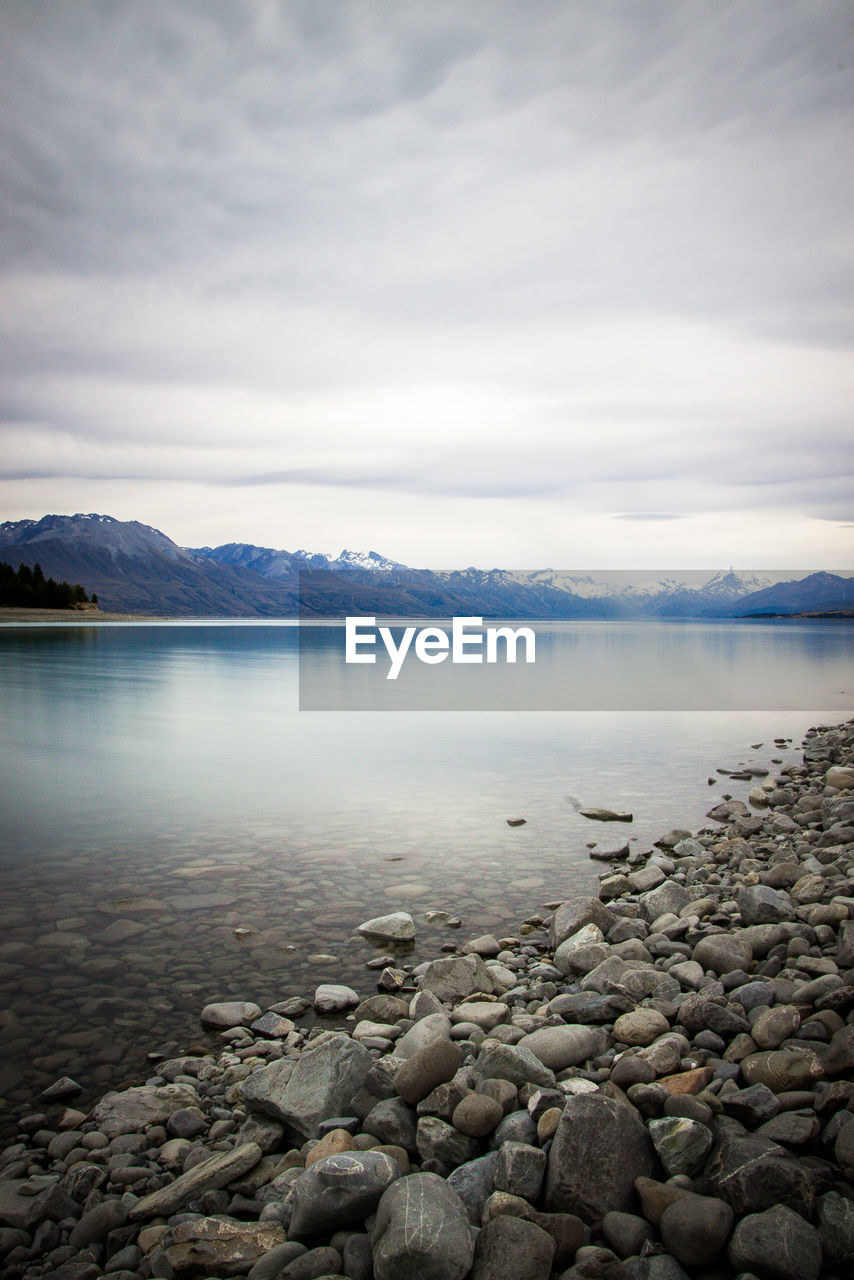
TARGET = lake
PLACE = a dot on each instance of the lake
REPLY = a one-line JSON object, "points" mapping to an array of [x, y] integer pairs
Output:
{"points": [[174, 829]]}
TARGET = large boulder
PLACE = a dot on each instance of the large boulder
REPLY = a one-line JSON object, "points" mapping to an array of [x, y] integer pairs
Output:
{"points": [[599, 1148], [511, 1062], [340, 1190], [396, 927], [133, 1110], [723, 953], [421, 1231], [453, 978], [751, 1174], [217, 1246], [777, 1244], [760, 904], [840, 776], [574, 914], [783, 1070], [696, 1228], [436, 1063], [321, 1084], [22, 1207], [230, 1013], [561, 1047], [510, 1248], [582, 951], [668, 899]]}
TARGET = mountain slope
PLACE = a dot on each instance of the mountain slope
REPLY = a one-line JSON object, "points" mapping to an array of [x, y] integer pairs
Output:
{"points": [[136, 569], [815, 593]]}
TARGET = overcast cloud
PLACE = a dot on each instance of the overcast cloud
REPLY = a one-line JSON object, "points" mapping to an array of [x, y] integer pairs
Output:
{"points": [[495, 283]]}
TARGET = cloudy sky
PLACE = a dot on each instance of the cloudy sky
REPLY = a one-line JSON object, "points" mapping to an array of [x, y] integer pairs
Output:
{"points": [[504, 282]]}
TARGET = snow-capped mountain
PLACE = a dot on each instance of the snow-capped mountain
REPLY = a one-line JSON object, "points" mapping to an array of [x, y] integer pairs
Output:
{"points": [[136, 568], [364, 560]]}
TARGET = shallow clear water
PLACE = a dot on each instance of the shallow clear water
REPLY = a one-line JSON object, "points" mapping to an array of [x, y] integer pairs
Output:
{"points": [[163, 775]]}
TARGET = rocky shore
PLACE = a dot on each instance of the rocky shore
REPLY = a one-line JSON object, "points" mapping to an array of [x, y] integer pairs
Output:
{"points": [[655, 1083]]}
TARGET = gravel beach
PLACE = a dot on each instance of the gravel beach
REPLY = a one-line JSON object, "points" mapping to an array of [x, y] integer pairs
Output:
{"points": [[651, 1084]]}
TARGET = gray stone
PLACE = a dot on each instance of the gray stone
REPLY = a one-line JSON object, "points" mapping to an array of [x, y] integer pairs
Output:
{"points": [[217, 1171], [435, 1139], [783, 1070], [454, 978], [626, 1233], [656, 1267], [778, 1244], [517, 1126], [843, 1149], [759, 904], [322, 1083], [435, 1064], [133, 1110], [561, 1047], [421, 1231], [218, 1246], [576, 912], [431, 1027], [512, 1062], [187, 1122], [589, 1007], [323, 1263], [272, 1026], [398, 926], [510, 1248], [486, 945], [476, 1115], [644, 982], [230, 1013], [669, 898], [520, 1170], [97, 1223], [791, 1129], [751, 1174], [753, 1105], [392, 1121], [700, 1011], [272, 1264], [836, 1228], [775, 1025], [23, 1206], [472, 1182], [483, 1015], [582, 951], [696, 1228], [640, 1027], [682, 1144], [723, 953], [605, 815], [333, 997], [339, 1190], [598, 1150]]}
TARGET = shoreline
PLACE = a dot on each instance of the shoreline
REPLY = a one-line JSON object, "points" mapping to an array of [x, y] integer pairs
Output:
{"points": [[692, 1022], [11, 614]]}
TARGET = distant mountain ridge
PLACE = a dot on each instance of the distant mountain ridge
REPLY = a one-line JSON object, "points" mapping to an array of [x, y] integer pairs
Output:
{"points": [[135, 568]]}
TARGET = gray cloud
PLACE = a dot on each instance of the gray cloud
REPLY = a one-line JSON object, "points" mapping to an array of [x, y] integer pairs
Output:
{"points": [[528, 254], [648, 515]]}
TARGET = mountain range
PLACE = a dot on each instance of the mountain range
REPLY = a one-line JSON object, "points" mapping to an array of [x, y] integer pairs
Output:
{"points": [[134, 568]]}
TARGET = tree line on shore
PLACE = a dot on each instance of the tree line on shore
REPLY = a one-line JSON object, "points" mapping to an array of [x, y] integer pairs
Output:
{"points": [[28, 588]]}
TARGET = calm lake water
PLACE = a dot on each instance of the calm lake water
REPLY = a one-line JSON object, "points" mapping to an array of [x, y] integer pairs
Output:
{"points": [[161, 789]]}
